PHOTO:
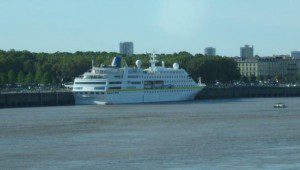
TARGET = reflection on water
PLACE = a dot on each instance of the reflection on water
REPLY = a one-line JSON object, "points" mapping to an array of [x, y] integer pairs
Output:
{"points": [[214, 134]]}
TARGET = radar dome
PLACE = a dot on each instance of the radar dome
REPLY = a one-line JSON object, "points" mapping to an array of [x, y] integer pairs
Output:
{"points": [[175, 66], [138, 63]]}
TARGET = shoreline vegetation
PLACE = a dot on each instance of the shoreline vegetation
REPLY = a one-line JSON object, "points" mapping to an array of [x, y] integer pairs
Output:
{"points": [[28, 68]]}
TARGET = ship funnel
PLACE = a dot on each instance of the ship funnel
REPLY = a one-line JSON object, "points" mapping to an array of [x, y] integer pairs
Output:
{"points": [[116, 61]]}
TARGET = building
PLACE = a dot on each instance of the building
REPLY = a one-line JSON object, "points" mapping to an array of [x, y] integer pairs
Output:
{"points": [[247, 51], [298, 69], [278, 68], [295, 54], [126, 48], [283, 68], [248, 66], [210, 51]]}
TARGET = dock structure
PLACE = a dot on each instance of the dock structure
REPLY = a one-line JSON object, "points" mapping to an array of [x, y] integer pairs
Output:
{"points": [[36, 99], [30, 99], [247, 92]]}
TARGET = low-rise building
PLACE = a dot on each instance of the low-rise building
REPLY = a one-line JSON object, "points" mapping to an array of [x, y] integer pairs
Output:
{"points": [[298, 68], [277, 67], [283, 68], [248, 66], [295, 54]]}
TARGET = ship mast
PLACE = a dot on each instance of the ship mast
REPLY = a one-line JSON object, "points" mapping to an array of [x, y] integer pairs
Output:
{"points": [[153, 61]]}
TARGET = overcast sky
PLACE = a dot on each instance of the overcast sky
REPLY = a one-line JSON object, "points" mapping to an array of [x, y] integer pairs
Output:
{"points": [[167, 26]]}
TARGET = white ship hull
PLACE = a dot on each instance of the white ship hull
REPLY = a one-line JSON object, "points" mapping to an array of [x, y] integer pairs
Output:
{"points": [[116, 85], [127, 97]]}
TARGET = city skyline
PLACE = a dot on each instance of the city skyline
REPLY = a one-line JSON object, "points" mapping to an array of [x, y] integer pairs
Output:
{"points": [[167, 26]]}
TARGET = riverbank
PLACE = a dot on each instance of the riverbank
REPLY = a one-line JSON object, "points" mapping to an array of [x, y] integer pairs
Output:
{"points": [[30, 99]]}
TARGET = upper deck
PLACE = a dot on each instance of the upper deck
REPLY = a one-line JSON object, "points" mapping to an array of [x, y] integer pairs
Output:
{"points": [[112, 77]]}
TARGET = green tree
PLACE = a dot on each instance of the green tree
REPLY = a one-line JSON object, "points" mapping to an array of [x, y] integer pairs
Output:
{"points": [[261, 78], [213, 68], [29, 79], [63, 67], [46, 78], [38, 76], [245, 79], [298, 78], [3, 78], [277, 78], [253, 79], [21, 76], [11, 77], [28, 66]]}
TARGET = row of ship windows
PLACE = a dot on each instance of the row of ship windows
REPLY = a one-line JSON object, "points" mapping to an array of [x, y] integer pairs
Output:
{"points": [[149, 77], [135, 76], [184, 85], [90, 82], [166, 72], [154, 76], [152, 87], [89, 92], [119, 82], [116, 82], [94, 76], [173, 72], [160, 91], [132, 87], [178, 81]]}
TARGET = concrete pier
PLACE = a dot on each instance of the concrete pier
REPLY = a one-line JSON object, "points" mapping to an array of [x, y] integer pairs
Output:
{"points": [[66, 98], [247, 92], [36, 99]]}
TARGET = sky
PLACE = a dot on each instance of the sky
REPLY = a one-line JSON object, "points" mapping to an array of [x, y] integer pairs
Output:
{"points": [[166, 26]]}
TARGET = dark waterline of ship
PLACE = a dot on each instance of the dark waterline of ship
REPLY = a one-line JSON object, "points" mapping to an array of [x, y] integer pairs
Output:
{"points": [[207, 134]]}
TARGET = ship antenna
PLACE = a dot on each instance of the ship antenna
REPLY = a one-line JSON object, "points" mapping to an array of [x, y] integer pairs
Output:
{"points": [[153, 60], [92, 62]]}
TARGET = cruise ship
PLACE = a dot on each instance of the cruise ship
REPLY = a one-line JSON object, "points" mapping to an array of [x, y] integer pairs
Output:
{"points": [[120, 85]]}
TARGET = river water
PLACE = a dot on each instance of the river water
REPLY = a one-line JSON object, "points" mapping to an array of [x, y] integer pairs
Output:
{"points": [[205, 134]]}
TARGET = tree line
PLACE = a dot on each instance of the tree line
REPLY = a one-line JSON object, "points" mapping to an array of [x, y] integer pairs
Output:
{"points": [[24, 67]]}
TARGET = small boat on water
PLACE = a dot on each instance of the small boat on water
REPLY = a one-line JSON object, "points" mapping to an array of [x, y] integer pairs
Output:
{"points": [[279, 105]]}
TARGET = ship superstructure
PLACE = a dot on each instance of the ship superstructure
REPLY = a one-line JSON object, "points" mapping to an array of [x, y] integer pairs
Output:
{"points": [[116, 85]]}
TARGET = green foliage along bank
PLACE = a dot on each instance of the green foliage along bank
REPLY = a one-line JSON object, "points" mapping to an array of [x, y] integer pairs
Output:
{"points": [[24, 67]]}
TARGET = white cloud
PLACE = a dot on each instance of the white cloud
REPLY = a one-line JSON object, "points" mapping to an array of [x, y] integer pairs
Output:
{"points": [[181, 17]]}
